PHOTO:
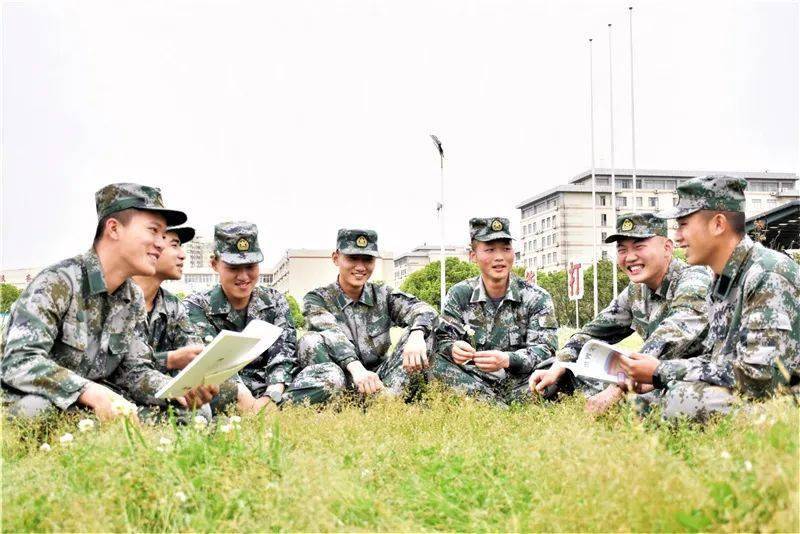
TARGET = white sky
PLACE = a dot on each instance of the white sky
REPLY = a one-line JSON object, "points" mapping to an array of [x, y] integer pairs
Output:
{"points": [[306, 116]]}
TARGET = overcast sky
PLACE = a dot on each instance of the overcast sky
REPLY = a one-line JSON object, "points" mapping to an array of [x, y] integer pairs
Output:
{"points": [[306, 116]]}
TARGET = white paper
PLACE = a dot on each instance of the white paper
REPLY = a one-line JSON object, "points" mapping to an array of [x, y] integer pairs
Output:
{"points": [[223, 357], [598, 360]]}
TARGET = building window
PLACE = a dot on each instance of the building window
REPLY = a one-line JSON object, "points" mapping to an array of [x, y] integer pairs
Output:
{"points": [[653, 202], [624, 183], [603, 236], [603, 219], [639, 202], [601, 200], [604, 255], [622, 202], [533, 246], [555, 257], [533, 227], [756, 202], [543, 262]]}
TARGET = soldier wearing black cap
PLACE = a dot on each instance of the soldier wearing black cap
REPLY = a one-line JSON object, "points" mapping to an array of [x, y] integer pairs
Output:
{"points": [[74, 337]]}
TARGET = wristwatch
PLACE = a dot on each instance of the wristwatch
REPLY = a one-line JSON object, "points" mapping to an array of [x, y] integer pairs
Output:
{"points": [[657, 384]]}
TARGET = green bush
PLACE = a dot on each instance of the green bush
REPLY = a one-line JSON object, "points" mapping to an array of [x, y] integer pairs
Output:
{"points": [[8, 295], [297, 314], [424, 284]]}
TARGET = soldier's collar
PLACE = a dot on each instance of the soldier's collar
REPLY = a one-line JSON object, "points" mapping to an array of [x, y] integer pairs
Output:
{"points": [[675, 267], [218, 302], [342, 300], [159, 303], [724, 282], [94, 273], [512, 292]]}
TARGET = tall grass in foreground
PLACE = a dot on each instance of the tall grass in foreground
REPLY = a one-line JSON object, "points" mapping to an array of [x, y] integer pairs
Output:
{"points": [[444, 463]]}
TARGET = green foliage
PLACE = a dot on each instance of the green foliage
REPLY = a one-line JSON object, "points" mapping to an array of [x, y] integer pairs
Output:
{"points": [[556, 284], [424, 284], [679, 253], [180, 294], [796, 256], [8, 296], [442, 464], [297, 314]]}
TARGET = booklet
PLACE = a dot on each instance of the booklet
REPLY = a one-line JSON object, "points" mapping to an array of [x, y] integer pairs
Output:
{"points": [[223, 357], [600, 361]]}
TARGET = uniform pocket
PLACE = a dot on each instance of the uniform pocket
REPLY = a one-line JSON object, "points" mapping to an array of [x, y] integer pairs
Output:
{"points": [[75, 335]]}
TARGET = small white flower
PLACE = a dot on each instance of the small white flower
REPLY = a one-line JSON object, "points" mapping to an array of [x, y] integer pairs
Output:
{"points": [[748, 466], [66, 438], [161, 449], [725, 455], [85, 425], [45, 447], [123, 407], [181, 496], [235, 419], [200, 422], [164, 441], [365, 473], [226, 428]]}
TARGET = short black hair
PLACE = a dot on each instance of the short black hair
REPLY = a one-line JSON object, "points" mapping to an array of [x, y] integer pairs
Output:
{"points": [[736, 219], [124, 217]]}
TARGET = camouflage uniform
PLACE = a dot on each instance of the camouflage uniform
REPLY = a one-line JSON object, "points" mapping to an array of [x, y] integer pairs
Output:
{"points": [[523, 324], [168, 328], [672, 320], [342, 330], [67, 330], [236, 243], [754, 324]]}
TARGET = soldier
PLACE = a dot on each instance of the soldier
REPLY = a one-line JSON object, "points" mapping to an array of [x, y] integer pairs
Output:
{"points": [[169, 331], [753, 345], [665, 303], [237, 300], [73, 338], [495, 328], [349, 322]]}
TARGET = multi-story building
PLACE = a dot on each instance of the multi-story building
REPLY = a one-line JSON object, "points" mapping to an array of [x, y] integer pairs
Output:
{"points": [[301, 270], [412, 261], [20, 278], [557, 225]]}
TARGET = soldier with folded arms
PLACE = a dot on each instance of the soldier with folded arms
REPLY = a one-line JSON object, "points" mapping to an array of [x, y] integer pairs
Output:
{"points": [[665, 303], [74, 337]]}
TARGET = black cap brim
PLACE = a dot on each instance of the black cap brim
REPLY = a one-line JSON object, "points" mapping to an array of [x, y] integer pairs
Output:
{"points": [[185, 233], [173, 217]]}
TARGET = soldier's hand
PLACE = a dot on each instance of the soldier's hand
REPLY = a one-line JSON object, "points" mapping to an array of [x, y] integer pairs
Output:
{"points": [[491, 360], [601, 402], [415, 353], [639, 367], [106, 404], [194, 398], [541, 379], [462, 352], [367, 382], [180, 358]]}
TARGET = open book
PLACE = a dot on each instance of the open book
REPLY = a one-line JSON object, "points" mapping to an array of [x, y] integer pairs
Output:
{"points": [[598, 360], [223, 357]]}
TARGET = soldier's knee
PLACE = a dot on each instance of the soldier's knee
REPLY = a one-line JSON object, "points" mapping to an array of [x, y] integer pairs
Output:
{"points": [[31, 406], [311, 349], [332, 376], [696, 400]]}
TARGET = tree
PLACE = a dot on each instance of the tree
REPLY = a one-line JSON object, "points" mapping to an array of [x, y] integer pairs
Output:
{"points": [[8, 295], [297, 315], [424, 284]]}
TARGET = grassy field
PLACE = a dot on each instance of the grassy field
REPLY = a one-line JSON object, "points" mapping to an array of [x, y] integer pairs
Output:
{"points": [[444, 463]]}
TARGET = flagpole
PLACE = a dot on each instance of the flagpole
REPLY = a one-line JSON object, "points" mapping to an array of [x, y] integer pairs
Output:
{"points": [[594, 192], [633, 112], [440, 211], [613, 175]]}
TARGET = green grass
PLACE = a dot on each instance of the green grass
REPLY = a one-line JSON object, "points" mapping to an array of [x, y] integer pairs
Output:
{"points": [[444, 463]]}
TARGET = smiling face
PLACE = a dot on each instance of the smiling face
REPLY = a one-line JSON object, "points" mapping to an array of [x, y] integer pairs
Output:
{"points": [[494, 258], [354, 270], [647, 260], [170, 264], [140, 242], [237, 281], [695, 237]]}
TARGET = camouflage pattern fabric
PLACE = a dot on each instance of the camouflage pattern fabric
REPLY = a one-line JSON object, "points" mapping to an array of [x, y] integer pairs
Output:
{"points": [[753, 341], [66, 331], [355, 242], [672, 320], [342, 330], [117, 197], [638, 226], [168, 327], [715, 193], [211, 312], [236, 243], [523, 324], [489, 228]]}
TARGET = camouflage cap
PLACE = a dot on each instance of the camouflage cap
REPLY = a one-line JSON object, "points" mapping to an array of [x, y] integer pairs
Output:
{"points": [[185, 233], [236, 243], [352, 241], [489, 229], [638, 226], [117, 197], [717, 193]]}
